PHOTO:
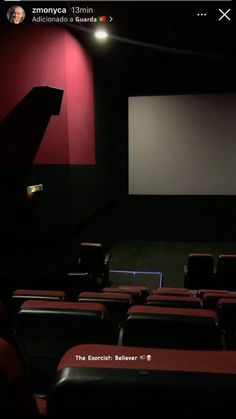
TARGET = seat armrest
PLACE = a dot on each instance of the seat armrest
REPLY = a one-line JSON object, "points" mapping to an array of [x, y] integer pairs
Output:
{"points": [[107, 258]]}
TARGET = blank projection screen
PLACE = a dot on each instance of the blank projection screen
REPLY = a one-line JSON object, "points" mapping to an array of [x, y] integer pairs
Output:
{"points": [[182, 145]]}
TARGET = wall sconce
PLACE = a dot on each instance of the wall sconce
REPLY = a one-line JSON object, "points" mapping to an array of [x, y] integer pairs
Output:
{"points": [[32, 189]]}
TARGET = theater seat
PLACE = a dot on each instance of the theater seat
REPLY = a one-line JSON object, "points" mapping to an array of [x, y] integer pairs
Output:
{"points": [[117, 305], [16, 396], [110, 381], [184, 292], [199, 272], [173, 301], [142, 292], [22, 295], [210, 299], [226, 311], [46, 329], [138, 293], [226, 271], [94, 261], [6, 324], [202, 291], [176, 328]]}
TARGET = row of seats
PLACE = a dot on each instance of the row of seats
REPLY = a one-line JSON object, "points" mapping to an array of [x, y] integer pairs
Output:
{"points": [[39, 324], [46, 329], [222, 302], [144, 382], [107, 380], [201, 271], [122, 297]]}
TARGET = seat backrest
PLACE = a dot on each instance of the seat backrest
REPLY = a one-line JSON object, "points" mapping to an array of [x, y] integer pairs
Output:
{"points": [[200, 270], [138, 293], [16, 396], [117, 305], [21, 295], [46, 329], [38, 295], [141, 292], [173, 301], [92, 257], [226, 311], [200, 263], [202, 291], [226, 271], [177, 328], [184, 292], [106, 380], [210, 299], [6, 324]]}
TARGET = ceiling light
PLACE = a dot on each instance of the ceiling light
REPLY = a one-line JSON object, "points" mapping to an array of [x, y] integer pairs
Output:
{"points": [[101, 34]]}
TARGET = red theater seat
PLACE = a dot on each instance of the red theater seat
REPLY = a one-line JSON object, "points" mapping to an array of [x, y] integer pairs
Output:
{"points": [[226, 310], [138, 293], [20, 296], [141, 292], [6, 324], [226, 271], [16, 396], [106, 381], [173, 301], [210, 299], [184, 292], [199, 271], [46, 329], [117, 305], [167, 327], [94, 261], [203, 291]]}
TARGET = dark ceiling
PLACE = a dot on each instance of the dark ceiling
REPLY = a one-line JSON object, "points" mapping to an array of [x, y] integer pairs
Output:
{"points": [[165, 44], [159, 46]]}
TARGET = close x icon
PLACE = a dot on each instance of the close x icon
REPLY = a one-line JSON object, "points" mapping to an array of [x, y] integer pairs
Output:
{"points": [[224, 14]]}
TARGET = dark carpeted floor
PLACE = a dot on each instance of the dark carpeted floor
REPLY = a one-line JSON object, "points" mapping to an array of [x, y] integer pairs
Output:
{"points": [[166, 257]]}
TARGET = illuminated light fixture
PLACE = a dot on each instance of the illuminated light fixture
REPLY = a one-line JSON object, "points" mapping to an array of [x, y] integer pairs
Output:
{"points": [[101, 34], [35, 188]]}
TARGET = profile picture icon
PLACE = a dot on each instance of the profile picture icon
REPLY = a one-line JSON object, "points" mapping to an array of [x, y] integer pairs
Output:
{"points": [[16, 14]]}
